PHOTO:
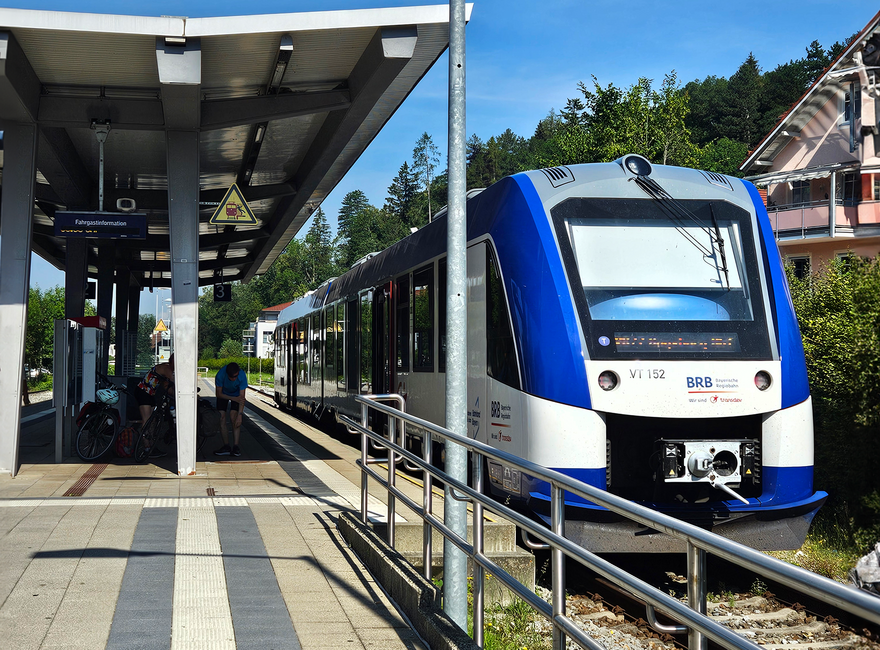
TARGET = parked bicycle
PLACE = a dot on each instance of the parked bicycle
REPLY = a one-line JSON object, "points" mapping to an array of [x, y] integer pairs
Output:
{"points": [[161, 425], [99, 421]]}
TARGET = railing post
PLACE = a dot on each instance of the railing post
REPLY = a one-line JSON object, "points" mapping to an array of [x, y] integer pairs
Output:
{"points": [[364, 478], [479, 571], [428, 504], [557, 525], [392, 473], [696, 566]]}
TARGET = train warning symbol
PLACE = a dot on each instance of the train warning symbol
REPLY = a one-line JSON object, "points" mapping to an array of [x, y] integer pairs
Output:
{"points": [[233, 210]]}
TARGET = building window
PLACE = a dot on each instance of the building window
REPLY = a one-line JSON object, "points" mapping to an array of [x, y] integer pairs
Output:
{"points": [[800, 264], [846, 259], [800, 192], [852, 190], [848, 107]]}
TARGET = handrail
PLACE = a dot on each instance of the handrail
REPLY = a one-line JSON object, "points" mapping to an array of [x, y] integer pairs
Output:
{"points": [[699, 541]]}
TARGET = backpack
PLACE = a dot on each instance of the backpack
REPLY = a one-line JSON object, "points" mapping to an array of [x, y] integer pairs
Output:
{"points": [[208, 417], [125, 442]]}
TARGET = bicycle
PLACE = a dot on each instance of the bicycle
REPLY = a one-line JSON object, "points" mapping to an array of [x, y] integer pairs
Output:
{"points": [[162, 422], [156, 425], [99, 422]]}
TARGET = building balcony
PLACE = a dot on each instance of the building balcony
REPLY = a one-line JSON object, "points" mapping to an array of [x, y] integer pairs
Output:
{"points": [[813, 219]]}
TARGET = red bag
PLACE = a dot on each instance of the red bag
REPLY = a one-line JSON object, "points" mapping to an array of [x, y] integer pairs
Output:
{"points": [[87, 409], [125, 442]]}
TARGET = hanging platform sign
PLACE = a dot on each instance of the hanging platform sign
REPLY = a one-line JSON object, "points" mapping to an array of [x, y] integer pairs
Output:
{"points": [[233, 210], [101, 225]]}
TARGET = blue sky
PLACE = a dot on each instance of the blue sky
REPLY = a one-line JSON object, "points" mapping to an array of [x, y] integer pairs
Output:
{"points": [[526, 57]]}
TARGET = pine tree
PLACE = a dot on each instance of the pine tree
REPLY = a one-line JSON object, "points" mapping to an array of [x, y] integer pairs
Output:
{"points": [[740, 118], [401, 195], [352, 203]]}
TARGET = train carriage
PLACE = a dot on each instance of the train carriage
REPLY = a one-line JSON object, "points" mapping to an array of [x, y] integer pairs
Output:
{"points": [[628, 325]]}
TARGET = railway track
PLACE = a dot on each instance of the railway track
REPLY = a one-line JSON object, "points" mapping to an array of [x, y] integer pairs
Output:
{"points": [[773, 619]]}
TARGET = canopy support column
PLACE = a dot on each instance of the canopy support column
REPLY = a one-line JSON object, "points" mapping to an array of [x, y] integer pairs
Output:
{"points": [[183, 215], [19, 173]]}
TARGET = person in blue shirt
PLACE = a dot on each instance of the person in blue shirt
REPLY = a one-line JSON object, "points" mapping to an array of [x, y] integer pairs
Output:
{"points": [[231, 384]]}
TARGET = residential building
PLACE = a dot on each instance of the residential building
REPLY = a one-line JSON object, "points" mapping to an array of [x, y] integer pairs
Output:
{"points": [[820, 165], [257, 339]]}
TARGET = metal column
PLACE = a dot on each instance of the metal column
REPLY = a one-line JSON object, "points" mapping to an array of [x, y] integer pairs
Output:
{"points": [[76, 277], [105, 297], [183, 215], [455, 512], [19, 173]]}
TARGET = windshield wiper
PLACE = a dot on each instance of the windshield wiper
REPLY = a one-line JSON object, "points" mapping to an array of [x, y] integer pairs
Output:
{"points": [[720, 241], [680, 216]]}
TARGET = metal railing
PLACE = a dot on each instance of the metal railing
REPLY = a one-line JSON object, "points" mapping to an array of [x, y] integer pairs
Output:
{"points": [[699, 542]]}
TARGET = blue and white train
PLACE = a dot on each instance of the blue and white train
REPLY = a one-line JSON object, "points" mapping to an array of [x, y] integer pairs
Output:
{"points": [[629, 325]]}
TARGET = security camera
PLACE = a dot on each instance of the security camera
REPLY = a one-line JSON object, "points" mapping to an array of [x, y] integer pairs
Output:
{"points": [[126, 205]]}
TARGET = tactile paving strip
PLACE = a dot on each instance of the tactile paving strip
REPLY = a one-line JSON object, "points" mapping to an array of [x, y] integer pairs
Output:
{"points": [[85, 481]]}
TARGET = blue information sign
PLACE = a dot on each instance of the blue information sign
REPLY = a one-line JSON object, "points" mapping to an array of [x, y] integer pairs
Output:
{"points": [[101, 225]]}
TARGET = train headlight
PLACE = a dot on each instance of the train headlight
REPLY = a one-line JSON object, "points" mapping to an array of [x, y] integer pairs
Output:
{"points": [[763, 380], [608, 380]]}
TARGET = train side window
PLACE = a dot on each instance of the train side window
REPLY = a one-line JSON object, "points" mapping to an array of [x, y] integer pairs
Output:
{"points": [[279, 346], [441, 314], [500, 350], [302, 351], [423, 320], [329, 340], [340, 346], [316, 345], [402, 314], [351, 327], [366, 374]]}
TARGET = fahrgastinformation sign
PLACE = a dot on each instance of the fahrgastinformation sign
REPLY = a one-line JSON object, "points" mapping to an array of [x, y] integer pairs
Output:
{"points": [[233, 210], [101, 225]]}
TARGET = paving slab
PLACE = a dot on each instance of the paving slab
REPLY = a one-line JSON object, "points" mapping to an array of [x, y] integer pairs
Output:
{"points": [[243, 555]]}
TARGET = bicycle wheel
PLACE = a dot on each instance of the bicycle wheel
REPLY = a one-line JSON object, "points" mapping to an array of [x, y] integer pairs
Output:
{"points": [[148, 437], [95, 437]]}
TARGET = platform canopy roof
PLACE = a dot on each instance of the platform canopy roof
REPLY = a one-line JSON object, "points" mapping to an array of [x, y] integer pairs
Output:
{"points": [[284, 104]]}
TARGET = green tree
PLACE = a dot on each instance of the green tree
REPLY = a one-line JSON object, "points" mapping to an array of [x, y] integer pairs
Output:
{"points": [[230, 348], [352, 204], [402, 194], [426, 156], [838, 310], [44, 307], [318, 264], [146, 353], [741, 116], [707, 97], [723, 156], [670, 107]]}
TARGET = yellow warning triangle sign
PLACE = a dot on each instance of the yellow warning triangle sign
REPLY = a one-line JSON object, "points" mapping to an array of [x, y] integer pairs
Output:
{"points": [[233, 210], [160, 326]]}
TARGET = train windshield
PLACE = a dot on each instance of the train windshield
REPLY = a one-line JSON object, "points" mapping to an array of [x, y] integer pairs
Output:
{"points": [[654, 286]]}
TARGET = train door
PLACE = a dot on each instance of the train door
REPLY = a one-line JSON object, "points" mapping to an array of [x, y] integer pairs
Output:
{"points": [[329, 383], [478, 407], [290, 355], [383, 366]]}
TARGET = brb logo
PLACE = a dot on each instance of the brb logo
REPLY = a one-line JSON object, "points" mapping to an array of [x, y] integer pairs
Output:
{"points": [[699, 382]]}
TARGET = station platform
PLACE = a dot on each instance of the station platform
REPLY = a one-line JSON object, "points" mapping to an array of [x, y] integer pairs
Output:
{"points": [[245, 554]]}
